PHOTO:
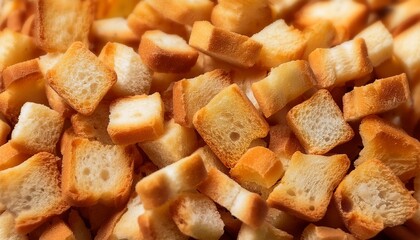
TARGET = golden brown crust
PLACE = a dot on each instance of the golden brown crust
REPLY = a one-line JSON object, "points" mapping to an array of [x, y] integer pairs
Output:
{"points": [[26, 70], [57, 229], [11, 157], [57, 103], [283, 142]]}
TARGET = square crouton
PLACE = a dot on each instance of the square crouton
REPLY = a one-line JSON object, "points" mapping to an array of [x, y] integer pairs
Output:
{"points": [[229, 123], [324, 233], [38, 129], [401, 16], [81, 79], [136, 119], [27, 70], [407, 51], [308, 185], [319, 35], [377, 97], [319, 124], [113, 30]]}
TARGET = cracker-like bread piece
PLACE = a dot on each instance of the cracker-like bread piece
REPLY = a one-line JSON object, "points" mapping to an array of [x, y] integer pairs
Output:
{"points": [[340, 64], [57, 229], [319, 35], [136, 119], [175, 143], [243, 17], [190, 95], [162, 185], [371, 198], [391, 145], [283, 84], [313, 232], [5, 130], [402, 15], [97, 173], [196, 216], [229, 123], [59, 23], [133, 76], [224, 45], [377, 97], [10, 156], [319, 124], [280, 43], [210, 159], [38, 129], [168, 53], [31, 191], [81, 79], [407, 51], [7, 227], [28, 70], [308, 185], [113, 30], [265, 231]]}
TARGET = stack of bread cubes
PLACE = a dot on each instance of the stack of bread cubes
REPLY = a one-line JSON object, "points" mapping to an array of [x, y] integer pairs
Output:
{"points": [[205, 119]]}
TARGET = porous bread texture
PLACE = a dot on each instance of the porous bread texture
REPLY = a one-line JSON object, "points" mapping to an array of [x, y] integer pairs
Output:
{"points": [[372, 198]]}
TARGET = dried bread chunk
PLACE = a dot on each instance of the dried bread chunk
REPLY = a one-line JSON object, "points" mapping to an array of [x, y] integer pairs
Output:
{"points": [[407, 51], [81, 79], [281, 9], [210, 159], [319, 124], [28, 70], [126, 227], [97, 173], [57, 229], [114, 8], [162, 185], [308, 185], [377, 97], [38, 129], [248, 207], [283, 142], [224, 45], [113, 30], [283, 84], [190, 95], [391, 145], [229, 123], [31, 191], [319, 35], [284, 221], [313, 232], [57, 103], [371, 198], [133, 76], [10, 156], [280, 43], [196, 216], [167, 53], [340, 64], [5, 130], [78, 226], [59, 23], [136, 119], [7, 227], [402, 15], [265, 231]]}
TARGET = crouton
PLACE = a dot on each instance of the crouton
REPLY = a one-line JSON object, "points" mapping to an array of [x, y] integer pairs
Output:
{"points": [[324, 233], [283, 142], [402, 15], [318, 35], [210, 159], [407, 51], [5, 130], [113, 30], [389, 68], [7, 227], [27, 70], [281, 9], [57, 103], [114, 8], [57, 229], [10, 156], [265, 231], [78, 226]]}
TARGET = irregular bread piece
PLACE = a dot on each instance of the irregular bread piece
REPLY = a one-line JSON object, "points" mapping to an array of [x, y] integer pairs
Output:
{"points": [[7, 228], [407, 51], [97, 173], [281, 9], [284, 84], [190, 95], [319, 35], [162, 185], [283, 142], [38, 129], [57, 103], [126, 228], [10, 156], [377, 4], [57, 229], [133, 76], [377, 97], [78, 226], [210, 159], [229, 123], [319, 124], [265, 231], [168, 53], [5, 129], [402, 15], [248, 207], [114, 8], [280, 43], [313, 232], [81, 78], [113, 30], [197, 216], [371, 198], [284, 221], [224, 45], [136, 119], [308, 185], [28, 70], [340, 64], [31, 191], [394, 147]]}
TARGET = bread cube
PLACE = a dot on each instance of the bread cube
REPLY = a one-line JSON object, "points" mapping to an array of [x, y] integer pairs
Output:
{"points": [[402, 15], [124, 227], [57, 103], [323, 233], [319, 35], [265, 231], [283, 141], [11, 157], [27, 70], [113, 30], [407, 51], [210, 159], [56, 229]]}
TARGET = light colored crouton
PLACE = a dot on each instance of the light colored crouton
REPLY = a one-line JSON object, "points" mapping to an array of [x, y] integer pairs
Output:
{"points": [[5, 130], [313, 232], [402, 15], [7, 227], [265, 231], [407, 51], [27, 70], [318, 35], [210, 159], [113, 30]]}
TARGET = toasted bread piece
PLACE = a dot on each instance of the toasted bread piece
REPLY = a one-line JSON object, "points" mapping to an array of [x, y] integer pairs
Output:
{"points": [[281, 9], [48, 61], [114, 8], [265, 231], [243, 17], [308, 185], [99, 215], [81, 79], [319, 124], [229, 123], [224, 45], [407, 51], [394, 147], [126, 228], [402, 15], [66, 139], [7, 227], [284, 221], [31, 191], [27, 70], [319, 35], [10, 156], [281, 43], [377, 97], [136, 119], [57, 229], [371, 198], [113, 30], [283, 142], [57, 103], [210, 159], [284, 84], [183, 11], [38, 129], [97, 173], [78, 226], [175, 143], [340, 64], [5, 130], [197, 216], [164, 52], [377, 4], [313, 232], [190, 95], [248, 207], [59, 23], [389, 68], [258, 165]]}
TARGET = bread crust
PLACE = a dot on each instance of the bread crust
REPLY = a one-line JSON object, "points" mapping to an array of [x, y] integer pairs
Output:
{"points": [[27, 70]]}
